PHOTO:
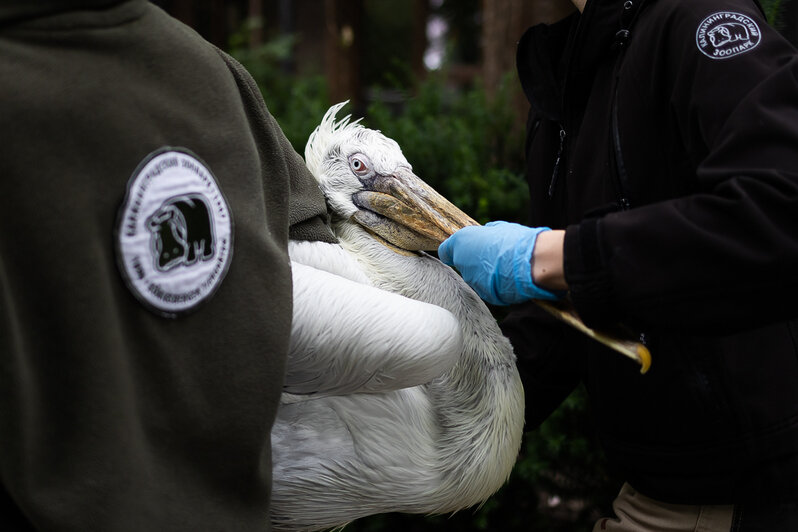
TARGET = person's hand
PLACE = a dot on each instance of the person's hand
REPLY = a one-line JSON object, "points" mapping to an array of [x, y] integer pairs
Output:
{"points": [[495, 260]]}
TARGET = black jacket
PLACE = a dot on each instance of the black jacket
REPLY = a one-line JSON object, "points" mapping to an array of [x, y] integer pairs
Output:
{"points": [[675, 174], [113, 417]]}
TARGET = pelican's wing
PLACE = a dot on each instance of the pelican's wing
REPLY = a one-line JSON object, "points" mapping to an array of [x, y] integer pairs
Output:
{"points": [[349, 337], [331, 258]]}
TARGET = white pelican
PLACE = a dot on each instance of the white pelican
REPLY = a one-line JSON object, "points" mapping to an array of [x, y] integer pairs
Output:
{"points": [[401, 392]]}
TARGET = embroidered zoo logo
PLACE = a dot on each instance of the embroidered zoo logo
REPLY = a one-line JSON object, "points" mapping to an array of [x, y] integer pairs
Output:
{"points": [[726, 34], [174, 236]]}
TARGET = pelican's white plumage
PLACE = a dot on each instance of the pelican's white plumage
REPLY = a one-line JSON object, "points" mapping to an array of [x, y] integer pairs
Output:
{"points": [[401, 392]]}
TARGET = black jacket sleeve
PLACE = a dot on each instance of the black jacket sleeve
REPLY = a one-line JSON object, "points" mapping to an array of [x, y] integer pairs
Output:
{"points": [[723, 257]]}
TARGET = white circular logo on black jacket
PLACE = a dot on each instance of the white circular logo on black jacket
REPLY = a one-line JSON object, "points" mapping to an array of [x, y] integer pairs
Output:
{"points": [[726, 34], [175, 232]]}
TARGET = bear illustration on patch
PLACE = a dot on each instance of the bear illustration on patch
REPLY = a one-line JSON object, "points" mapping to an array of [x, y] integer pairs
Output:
{"points": [[182, 232], [726, 34]]}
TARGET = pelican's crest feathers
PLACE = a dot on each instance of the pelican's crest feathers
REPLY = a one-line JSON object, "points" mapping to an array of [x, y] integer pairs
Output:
{"points": [[322, 137]]}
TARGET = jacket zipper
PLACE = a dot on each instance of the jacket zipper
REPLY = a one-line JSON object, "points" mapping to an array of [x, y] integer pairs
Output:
{"points": [[556, 170], [620, 43], [622, 179], [628, 17]]}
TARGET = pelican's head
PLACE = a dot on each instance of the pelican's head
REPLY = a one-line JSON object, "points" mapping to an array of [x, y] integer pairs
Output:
{"points": [[365, 178]]}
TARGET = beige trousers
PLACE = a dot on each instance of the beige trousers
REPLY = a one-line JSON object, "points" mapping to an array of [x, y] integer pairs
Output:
{"points": [[638, 513]]}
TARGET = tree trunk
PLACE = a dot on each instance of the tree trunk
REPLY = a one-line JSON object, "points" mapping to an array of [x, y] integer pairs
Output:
{"points": [[420, 42], [183, 10], [256, 18], [503, 24], [501, 28], [219, 24], [342, 63]]}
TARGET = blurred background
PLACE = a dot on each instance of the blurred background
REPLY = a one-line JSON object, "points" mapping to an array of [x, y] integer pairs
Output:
{"points": [[438, 77]]}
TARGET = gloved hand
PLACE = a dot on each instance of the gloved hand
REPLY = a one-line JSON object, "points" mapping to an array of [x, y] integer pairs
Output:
{"points": [[495, 260]]}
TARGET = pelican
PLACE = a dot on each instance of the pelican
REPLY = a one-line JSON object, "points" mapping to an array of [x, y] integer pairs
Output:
{"points": [[401, 393]]}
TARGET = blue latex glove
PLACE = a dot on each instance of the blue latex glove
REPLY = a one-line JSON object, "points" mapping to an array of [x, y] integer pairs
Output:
{"points": [[494, 260]]}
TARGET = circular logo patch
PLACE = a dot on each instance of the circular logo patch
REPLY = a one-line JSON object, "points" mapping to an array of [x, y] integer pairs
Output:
{"points": [[175, 232], [726, 34]]}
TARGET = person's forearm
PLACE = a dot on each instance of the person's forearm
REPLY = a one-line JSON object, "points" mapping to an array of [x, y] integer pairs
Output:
{"points": [[547, 261]]}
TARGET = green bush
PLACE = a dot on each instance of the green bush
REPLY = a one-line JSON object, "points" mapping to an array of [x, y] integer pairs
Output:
{"points": [[468, 148], [296, 102], [772, 10]]}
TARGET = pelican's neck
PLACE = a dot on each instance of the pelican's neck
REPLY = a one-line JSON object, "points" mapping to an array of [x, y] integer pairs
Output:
{"points": [[478, 403]]}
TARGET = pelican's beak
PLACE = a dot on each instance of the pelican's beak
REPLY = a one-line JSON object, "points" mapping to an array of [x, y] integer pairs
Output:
{"points": [[407, 212]]}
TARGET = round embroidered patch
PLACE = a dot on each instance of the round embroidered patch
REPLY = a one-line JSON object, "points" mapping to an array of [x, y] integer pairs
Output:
{"points": [[725, 34], [175, 232]]}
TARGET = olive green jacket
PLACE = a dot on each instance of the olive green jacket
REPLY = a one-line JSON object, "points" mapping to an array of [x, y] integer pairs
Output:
{"points": [[115, 415]]}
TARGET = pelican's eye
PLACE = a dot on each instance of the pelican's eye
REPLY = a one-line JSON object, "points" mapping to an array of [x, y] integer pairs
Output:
{"points": [[360, 165]]}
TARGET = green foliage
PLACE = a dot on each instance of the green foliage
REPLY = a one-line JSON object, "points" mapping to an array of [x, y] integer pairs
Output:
{"points": [[297, 102], [387, 44], [772, 10], [468, 148], [562, 461]]}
